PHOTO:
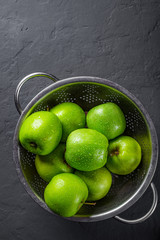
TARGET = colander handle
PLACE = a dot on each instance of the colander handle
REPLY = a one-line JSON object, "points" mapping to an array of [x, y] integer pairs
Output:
{"points": [[23, 81], [148, 214]]}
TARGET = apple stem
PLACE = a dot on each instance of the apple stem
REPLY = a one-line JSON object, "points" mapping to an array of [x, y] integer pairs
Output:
{"points": [[90, 203], [32, 144], [48, 109]]}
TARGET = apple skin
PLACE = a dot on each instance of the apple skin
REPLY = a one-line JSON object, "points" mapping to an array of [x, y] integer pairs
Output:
{"points": [[65, 194], [40, 133], [98, 182], [52, 164], [108, 119], [72, 117], [124, 155], [86, 149]]}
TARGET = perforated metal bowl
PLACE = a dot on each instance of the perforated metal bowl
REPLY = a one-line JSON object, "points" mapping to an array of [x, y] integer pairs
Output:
{"points": [[88, 92]]}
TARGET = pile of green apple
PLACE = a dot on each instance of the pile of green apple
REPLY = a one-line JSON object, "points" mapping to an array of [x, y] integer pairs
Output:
{"points": [[75, 152]]}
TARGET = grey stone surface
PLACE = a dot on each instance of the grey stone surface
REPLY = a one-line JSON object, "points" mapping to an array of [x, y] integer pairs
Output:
{"points": [[118, 40]]}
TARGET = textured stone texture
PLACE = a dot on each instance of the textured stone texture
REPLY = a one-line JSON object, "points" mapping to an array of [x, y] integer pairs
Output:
{"points": [[118, 40]]}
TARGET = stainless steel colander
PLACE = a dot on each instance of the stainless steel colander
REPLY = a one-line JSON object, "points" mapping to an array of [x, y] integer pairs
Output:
{"points": [[88, 92]]}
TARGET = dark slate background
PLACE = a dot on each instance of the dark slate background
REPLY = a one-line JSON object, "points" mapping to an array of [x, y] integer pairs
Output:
{"points": [[118, 40]]}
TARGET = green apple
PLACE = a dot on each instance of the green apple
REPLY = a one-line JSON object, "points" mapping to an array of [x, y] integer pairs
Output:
{"points": [[107, 119], [124, 155], [65, 194], [72, 117], [52, 164], [86, 149], [40, 133], [98, 182]]}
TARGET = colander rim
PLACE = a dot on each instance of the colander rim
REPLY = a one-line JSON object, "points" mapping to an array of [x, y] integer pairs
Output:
{"points": [[154, 158]]}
